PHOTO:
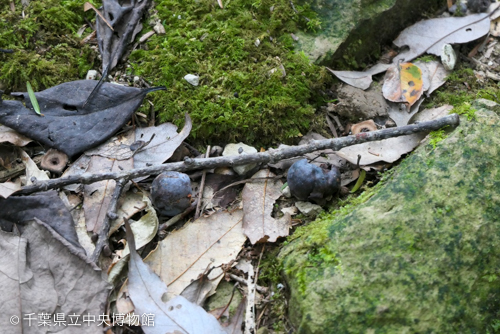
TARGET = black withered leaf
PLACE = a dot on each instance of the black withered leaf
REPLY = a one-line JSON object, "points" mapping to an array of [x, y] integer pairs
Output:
{"points": [[67, 126], [46, 206], [125, 18]]}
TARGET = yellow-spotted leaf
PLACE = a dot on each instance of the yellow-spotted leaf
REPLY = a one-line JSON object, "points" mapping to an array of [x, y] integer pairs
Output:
{"points": [[403, 83]]}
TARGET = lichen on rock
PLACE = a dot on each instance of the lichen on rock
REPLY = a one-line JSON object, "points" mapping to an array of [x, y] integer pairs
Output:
{"points": [[421, 255]]}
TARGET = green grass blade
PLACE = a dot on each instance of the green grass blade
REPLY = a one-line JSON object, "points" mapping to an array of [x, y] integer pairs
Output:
{"points": [[33, 99], [358, 184]]}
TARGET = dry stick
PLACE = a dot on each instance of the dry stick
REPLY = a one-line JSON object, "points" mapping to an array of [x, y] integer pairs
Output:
{"points": [[202, 185], [102, 240], [271, 156]]}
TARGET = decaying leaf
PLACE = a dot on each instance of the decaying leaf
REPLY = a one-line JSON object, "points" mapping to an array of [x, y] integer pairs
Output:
{"points": [[203, 287], [258, 203], [434, 75], [147, 292], [46, 206], [236, 321], [125, 18], [165, 141], [189, 252], [128, 205], [430, 35], [67, 126], [8, 188], [33, 173], [9, 135], [97, 195], [388, 150], [361, 80], [40, 274], [403, 83], [399, 113], [432, 113]]}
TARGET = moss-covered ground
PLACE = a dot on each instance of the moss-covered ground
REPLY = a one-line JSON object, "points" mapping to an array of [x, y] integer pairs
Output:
{"points": [[47, 50], [261, 95]]}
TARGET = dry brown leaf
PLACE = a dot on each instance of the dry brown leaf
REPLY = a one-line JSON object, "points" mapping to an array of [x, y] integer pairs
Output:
{"points": [[33, 173], [207, 242], [388, 150], [8, 188], [147, 293], [39, 273], [166, 140], [9, 135], [258, 203], [97, 195]]}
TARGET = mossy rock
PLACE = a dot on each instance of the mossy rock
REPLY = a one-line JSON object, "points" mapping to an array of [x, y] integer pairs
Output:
{"points": [[421, 255], [344, 33]]}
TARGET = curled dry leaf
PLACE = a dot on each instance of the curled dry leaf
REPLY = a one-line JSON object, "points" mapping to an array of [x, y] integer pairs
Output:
{"points": [[258, 204]]}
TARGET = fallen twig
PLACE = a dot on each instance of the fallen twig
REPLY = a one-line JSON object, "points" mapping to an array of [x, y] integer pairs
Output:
{"points": [[102, 240], [271, 156], [202, 185]]}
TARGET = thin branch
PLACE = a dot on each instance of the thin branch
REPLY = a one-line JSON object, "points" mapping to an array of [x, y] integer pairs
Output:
{"points": [[202, 185], [270, 156], [102, 240]]}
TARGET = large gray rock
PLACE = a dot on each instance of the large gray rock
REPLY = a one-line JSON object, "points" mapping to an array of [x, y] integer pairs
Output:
{"points": [[420, 255], [354, 29]]}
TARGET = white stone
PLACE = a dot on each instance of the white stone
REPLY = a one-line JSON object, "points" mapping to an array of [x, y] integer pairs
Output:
{"points": [[236, 149], [286, 192], [136, 79], [159, 28], [257, 42], [309, 209], [91, 75], [292, 210], [448, 57], [192, 79]]}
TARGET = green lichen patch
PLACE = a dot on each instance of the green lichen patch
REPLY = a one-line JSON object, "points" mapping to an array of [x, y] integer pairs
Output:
{"points": [[261, 94], [420, 256], [47, 50]]}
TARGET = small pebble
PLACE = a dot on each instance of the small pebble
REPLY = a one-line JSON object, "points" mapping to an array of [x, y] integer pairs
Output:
{"points": [[91, 75], [192, 79], [257, 42]]}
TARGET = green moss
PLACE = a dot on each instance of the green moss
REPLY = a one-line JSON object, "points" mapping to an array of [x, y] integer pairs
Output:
{"points": [[47, 50], [243, 93], [436, 137], [465, 109]]}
